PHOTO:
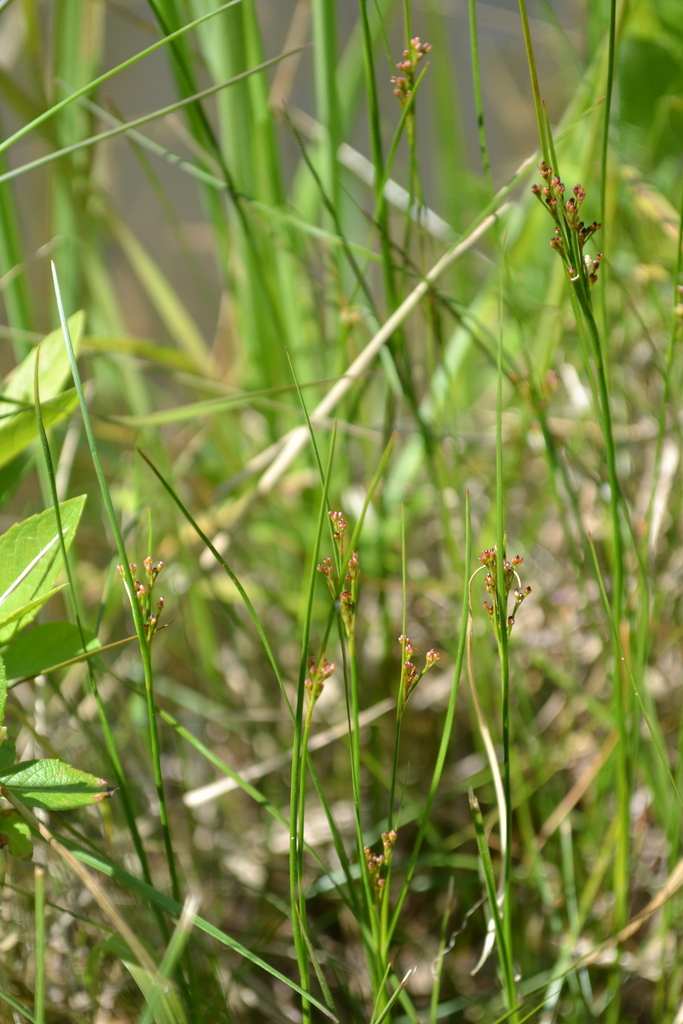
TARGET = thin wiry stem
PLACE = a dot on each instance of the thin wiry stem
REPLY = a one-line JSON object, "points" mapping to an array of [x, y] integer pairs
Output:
{"points": [[145, 651]]}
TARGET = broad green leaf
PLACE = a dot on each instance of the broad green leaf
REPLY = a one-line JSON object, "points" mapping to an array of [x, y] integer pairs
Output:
{"points": [[45, 646], [15, 834], [19, 429], [11, 476], [30, 561], [3, 692], [54, 785], [8, 755], [53, 371], [29, 609]]}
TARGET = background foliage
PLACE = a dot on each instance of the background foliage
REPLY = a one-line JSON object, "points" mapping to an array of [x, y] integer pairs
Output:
{"points": [[233, 255]]}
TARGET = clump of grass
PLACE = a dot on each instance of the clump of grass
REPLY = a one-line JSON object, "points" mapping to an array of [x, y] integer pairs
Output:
{"points": [[313, 305]]}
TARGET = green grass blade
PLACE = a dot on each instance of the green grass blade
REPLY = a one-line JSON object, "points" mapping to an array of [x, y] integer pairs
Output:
{"points": [[145, 650], [39, 997], [449, 722], [479, 102], [624, 663], [535, 88], [104, 721], [136, 123], [221, 561], [174, 909], [490, 885], [6, 143]]}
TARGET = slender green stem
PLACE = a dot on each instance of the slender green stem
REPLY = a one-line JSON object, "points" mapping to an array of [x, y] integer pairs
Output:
{"points": [[611, 37], [297, 896], [394, 769], [478, 98], [610, 459], [327, 103], [376, 144], [371, 927], [531, 61], [101, 712], [25, 129], [504, 953], [39, 910], [501, 611], [145, 653], [401, 696], [623, 785], [297, 796], [438, 963], [447, 729], [667, 371], [397, 342], [93, 140]]}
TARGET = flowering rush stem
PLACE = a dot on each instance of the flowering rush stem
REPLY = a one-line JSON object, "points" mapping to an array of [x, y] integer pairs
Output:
{"points": [[571, 235], [145, 654]]}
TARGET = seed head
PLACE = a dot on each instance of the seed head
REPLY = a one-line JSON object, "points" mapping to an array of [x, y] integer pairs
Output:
{"points": [[406, 644], [431, 658], [339, 524], [353, 569]]}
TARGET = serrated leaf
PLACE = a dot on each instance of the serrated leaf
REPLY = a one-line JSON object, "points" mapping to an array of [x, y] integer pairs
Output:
{"points": [[53, 371], [54, 785], [20, 428], [43, 647], [15, 834], [30, 561]]}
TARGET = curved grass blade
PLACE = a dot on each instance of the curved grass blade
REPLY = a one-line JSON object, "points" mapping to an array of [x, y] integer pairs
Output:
{"points": [[18, 429], [145, 650], [221, 561], [624, 662], [174, 909], [447, 729], [39, 912], [46, 115], [167, 968], [504, 958], [144, 119]]}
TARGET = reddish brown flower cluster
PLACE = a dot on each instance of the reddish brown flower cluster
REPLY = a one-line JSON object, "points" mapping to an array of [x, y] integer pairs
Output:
{"points": [[318, 673], [339, 524], [410, 673], [375, 862], [405, 82], [325, 567], [568, 223], [347, 607], [347, 598], [143, 593], [546, 387], [489, 558]]}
